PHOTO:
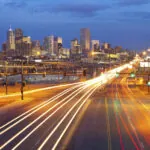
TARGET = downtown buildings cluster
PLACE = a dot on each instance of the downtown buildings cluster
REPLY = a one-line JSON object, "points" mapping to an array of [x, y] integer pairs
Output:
{"points": [[83, 50]]}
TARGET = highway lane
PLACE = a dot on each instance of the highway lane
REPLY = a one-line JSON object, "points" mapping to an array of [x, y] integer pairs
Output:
{"points": [[24, 122], [9, 137], [138, 117], [115, 128], [81, 117]]}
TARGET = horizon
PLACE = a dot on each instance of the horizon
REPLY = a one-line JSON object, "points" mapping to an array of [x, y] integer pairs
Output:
{"points": [[120, 22], [66, 41]]}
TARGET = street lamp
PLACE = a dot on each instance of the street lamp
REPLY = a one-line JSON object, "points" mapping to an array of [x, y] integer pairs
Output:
{"points": [[144, 53], [22, 81], [38, 53], [6, 85]]}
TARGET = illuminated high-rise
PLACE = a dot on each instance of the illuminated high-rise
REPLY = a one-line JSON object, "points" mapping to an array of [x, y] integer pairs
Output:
{"points": [[10, 43], [57, 45], [18, 34], [49, 44], [95, 45], [10, 39], [85, 39], [18, 41]]}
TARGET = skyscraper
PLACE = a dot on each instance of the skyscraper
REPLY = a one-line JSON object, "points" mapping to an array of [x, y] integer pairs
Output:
{"points": [[18, 34], [36, 48], [49, 44], [18, 41], [95, 45], [57, 45], [10, 39], [85, 40], [106, 45], [26, 49], [75, 47]]}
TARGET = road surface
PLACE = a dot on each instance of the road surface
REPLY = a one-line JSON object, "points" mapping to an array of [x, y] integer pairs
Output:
{"points": [[86, 116]]}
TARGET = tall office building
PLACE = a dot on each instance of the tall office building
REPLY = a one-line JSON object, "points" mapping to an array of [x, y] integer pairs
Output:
{"points": [[10, 39], [18, 41], [18, 34], [10, 43], [95, 45], [57, 45], [36, 48], [26, 49], [75, 47], [106, 45], [49, 44], [85, 40]]}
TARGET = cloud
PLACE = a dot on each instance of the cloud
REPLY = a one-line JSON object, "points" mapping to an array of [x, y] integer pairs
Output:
{"points": [[132, 2], [137, 15], [15, 4], [80, 10]]}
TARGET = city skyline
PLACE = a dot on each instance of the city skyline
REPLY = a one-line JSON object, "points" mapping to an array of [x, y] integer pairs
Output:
{"points": [[66, 43], [108, 21]]}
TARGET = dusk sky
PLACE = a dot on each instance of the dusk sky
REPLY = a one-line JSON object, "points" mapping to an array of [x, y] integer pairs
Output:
{"points": [[119, 22]]}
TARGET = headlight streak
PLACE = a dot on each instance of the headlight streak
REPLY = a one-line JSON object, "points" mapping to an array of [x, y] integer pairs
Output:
{"points": [[99, 81], [16, 135], [146, 117], [126, 127], [38, 108], [75, 114], [88, 94], [39, 90], [64, 85]]}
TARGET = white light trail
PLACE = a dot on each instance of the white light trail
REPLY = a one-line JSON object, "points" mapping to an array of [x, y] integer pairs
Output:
{"points": [[39, 90], [101, 80], [39, 107], [61, 121], [16, 135], [73, 117]]}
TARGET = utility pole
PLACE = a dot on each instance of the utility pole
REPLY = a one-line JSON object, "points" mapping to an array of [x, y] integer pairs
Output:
{"points": [[109, 61], [148, 76], [6, 86], [148, 85], [22, 81]]}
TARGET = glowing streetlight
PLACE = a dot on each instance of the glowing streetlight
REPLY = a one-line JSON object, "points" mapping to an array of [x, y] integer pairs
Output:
{"points": [[144, 53], [38, 53], [93, 53]]}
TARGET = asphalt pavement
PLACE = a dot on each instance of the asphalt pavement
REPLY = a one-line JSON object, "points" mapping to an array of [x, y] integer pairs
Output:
{"points": [[83, 117]]}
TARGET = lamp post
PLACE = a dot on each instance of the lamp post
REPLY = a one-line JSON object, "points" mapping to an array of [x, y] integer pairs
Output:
{"points": [[144, 53], [22, 81], [6, 86], [148, 76]]}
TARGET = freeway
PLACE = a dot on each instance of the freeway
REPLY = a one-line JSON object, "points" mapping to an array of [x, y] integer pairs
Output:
{"points": [[83, 116]]}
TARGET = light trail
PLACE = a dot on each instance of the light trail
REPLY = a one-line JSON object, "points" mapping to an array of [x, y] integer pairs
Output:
{"points": [[64, 85], [132, 139], [43, 103], [125, 125], [39, 107], [103, 79], [16, 135], [61, 121], [146, 117], [39, 90], [71, 120], [44, 121], [117, 123]]}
